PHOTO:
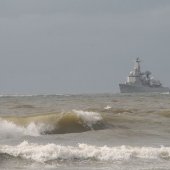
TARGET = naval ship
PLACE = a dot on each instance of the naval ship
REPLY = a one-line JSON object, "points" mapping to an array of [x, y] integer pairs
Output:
{"points": [[141, 82]]}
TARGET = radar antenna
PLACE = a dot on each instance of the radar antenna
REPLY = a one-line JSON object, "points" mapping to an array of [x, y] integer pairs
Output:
{"points": [[138, 60]]}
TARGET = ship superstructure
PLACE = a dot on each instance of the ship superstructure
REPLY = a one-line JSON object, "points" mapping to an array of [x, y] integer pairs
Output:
{"points": [[138, 81]]}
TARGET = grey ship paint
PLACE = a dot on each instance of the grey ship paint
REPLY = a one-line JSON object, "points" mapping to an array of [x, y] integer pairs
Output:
{"points": [[141, 82]]}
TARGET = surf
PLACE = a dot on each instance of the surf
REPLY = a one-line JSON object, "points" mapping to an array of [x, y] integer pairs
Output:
{"points": [[75, 121], [52, 152]]}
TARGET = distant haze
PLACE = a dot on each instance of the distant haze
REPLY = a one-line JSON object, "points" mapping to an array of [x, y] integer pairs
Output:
{"points": [[81, 46]]}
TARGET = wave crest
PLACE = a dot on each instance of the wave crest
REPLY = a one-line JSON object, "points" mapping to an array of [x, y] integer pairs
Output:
{"points": [[50, 152], [71, 122]]}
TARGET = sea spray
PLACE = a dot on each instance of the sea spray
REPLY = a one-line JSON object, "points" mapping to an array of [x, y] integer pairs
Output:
{"points": [[50, 152], [89, 118], [9, 129]]}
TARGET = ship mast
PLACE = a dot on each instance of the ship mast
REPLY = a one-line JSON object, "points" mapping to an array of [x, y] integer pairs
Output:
{"points": [[137, 67]]}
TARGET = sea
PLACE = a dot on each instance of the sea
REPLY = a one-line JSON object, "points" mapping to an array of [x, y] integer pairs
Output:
{"points": [[85, 132]]}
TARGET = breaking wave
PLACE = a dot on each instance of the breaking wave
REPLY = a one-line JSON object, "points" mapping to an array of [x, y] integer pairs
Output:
{"points": [[51, 152], [71, 122]]}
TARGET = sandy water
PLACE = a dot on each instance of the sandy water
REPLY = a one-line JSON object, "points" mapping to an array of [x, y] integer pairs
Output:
{"points": [[101, 131]]}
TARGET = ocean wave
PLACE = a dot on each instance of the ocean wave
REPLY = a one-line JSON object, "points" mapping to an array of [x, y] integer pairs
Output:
{"points": [[51, 152], [110, 109], [9, 129], [54, 123], [35, 95]]}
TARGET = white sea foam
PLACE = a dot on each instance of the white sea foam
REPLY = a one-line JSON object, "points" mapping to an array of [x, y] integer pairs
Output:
{"points": [[9, 129], [89, 118], [107, 107], [49, 152]]}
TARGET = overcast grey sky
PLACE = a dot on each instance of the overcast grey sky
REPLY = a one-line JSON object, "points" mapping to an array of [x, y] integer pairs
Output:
{"points": [[80, 46]]}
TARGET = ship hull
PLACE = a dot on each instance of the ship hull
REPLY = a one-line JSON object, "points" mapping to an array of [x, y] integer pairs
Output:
{"points": [[126, 88]]}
